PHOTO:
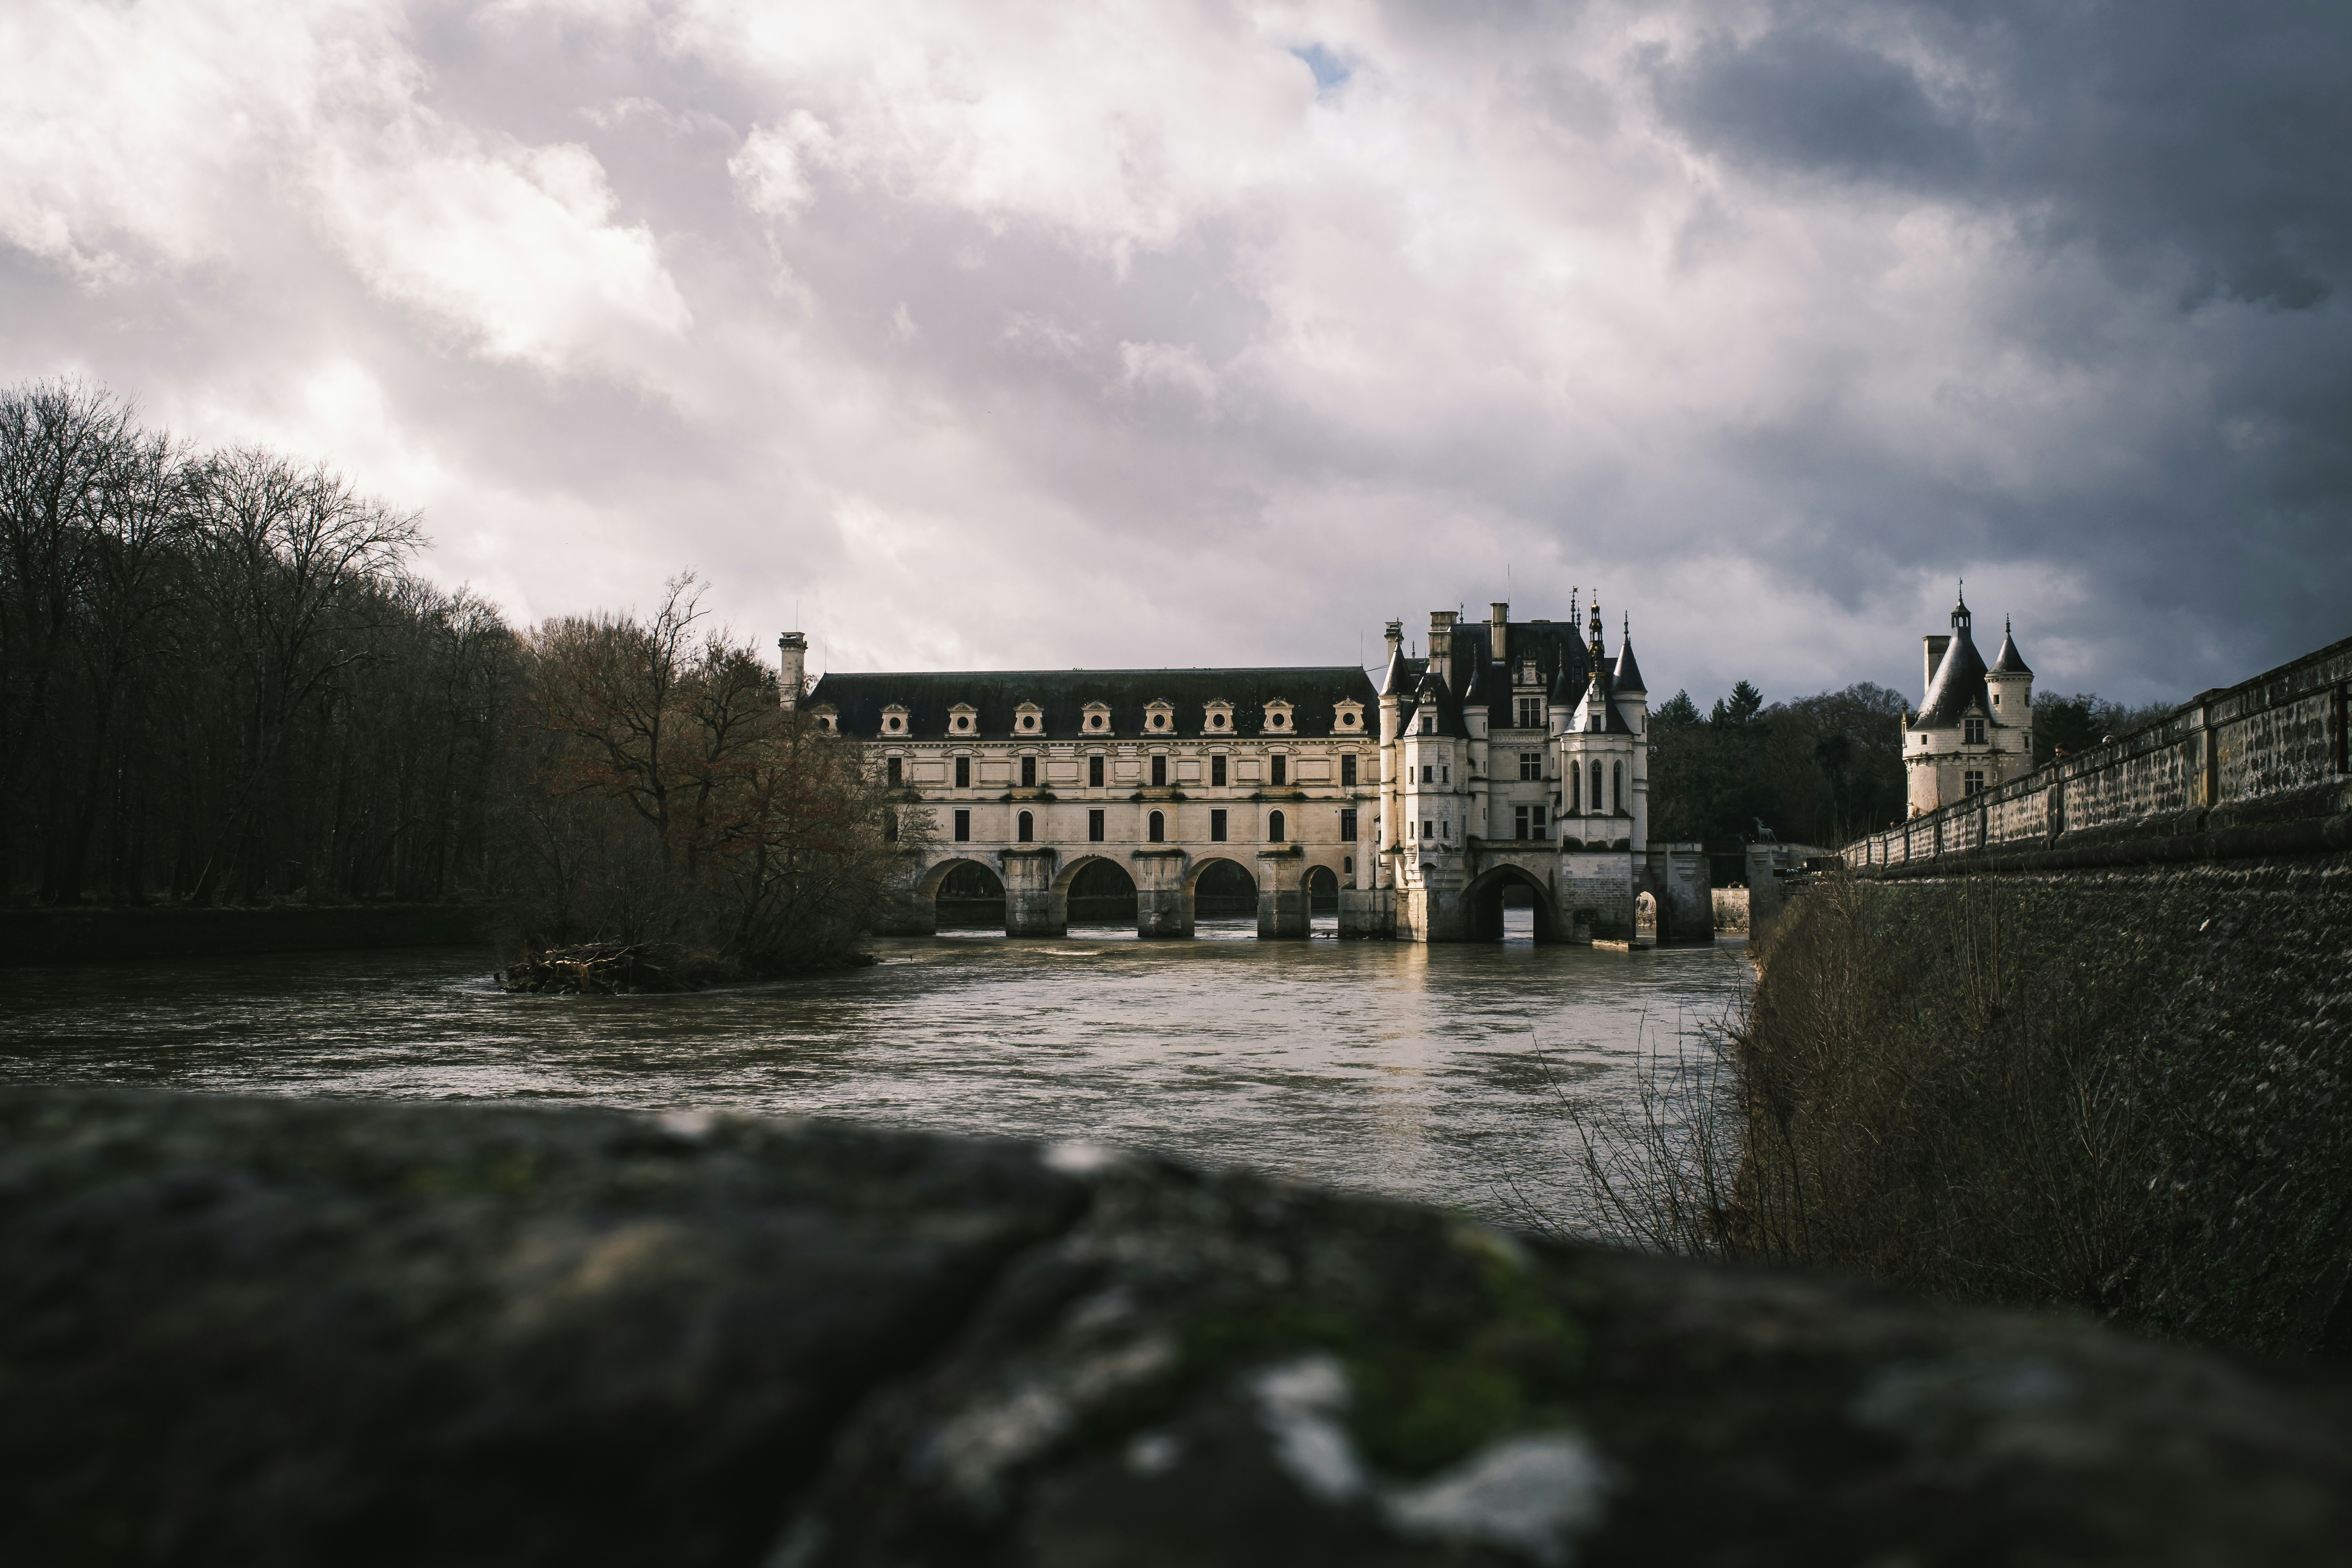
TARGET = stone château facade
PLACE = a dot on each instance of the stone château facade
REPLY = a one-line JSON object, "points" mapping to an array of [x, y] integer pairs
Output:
{"points": [[1513, 756], [1974, 729]]}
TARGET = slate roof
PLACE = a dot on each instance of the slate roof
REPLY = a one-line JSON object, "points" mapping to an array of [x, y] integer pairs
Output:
{"points": [[1062, 695], [1629, 673], [1433, 692], [1960, 683], [2009, 661], [1563, 665], [1611, 722]]}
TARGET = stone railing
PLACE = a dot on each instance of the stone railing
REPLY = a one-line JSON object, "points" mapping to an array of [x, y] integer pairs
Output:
{"points": [[2257, 769]]}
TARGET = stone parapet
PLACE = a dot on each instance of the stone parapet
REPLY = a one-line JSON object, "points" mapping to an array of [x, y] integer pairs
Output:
{"points": [[2257, 770]]}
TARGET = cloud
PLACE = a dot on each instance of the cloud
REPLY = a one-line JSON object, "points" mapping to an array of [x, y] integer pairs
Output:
{"points": [[1087, 333]]}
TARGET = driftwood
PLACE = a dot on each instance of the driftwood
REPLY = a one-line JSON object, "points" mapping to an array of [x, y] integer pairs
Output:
{"points": [[607, 969]]}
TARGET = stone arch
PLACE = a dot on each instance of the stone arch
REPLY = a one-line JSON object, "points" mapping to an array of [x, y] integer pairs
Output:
{"points": [[1231, 891], [964, 892], [1096, 891], [1322, 890], [1483, 900]]}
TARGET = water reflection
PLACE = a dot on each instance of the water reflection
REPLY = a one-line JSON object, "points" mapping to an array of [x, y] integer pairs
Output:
{"points": [[1432, 1073]]}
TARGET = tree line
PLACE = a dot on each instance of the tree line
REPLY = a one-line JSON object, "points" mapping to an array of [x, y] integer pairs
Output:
{"points": [[1821, 769], [224, 686]]}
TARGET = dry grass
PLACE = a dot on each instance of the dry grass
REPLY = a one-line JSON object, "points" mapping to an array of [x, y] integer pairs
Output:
{"points": [[2043, 1093]]}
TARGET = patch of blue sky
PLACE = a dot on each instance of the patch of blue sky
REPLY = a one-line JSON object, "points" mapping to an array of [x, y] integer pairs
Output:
{"points": [[1330, 69]]}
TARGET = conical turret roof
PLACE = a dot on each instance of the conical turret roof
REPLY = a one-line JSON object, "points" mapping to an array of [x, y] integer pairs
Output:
{"points": [[2009, 661], [1959, 682], [1629, 673]]}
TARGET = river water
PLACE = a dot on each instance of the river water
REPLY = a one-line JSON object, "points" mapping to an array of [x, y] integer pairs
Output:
{"points": [[1441, 1074]]}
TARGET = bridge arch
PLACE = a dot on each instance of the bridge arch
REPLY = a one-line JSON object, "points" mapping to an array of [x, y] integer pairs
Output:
{"points": [[1220, 887], [963, 891], [1096, 890], [1482, 900], [1322, 892]]}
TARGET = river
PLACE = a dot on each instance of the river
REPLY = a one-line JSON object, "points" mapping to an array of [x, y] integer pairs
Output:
{"points": [[1434, 1073]]}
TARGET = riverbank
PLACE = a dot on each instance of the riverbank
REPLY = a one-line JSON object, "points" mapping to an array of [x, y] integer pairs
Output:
{"points": [[91, 934]]}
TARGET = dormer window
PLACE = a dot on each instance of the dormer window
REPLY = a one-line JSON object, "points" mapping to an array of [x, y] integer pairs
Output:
{"points": [[1972, 731], [1429, 724], [1348, 715], [1218, 717], [826, 718], [894, 720], [1028, 719], [1159, 717], [1097, 718], [962, 719], [1278, 716]]}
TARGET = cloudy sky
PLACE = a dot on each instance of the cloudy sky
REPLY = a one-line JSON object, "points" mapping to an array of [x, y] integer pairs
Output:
{"points": [[1003, 334]]}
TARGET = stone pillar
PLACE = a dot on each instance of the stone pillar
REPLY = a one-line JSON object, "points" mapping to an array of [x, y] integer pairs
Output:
{"points": [[1367, 912], [1282, 912], [1676, 875], [1596, 894], [1032, 907], [1438, 912], [1162, 907]]}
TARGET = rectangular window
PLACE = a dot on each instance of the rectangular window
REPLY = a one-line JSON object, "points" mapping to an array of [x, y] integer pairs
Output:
{"points": [[1445, 828], [889, 828], [893, 771], [963, 773], [1520, 822], [1536, 821], [1972, 782], [1281, 766], [1530, 764], [1428, 829], [1429, 724], [1216, 827], [1095, 771], [1347, 826], [1094, 828], [963, 826], [1444, 775], [1160, 770], [1348, 864], [1531, 713], [1028, 772], [1348, 770], [1428, 773], [1217, 771], [1972, 731]]}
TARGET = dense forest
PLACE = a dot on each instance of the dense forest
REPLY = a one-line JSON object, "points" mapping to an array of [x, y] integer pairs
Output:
{"points": [[1816, 770], [224, 686]]}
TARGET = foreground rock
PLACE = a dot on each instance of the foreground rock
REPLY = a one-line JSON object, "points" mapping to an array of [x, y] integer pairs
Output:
{"points": [[279, 1331]]}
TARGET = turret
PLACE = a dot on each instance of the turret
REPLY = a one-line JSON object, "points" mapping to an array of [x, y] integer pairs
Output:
{"points": [[2009, 681], [792, 685]]}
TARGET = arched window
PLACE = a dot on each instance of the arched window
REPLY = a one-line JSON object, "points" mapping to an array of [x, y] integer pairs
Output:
{"points": [[1157, 828], [1617, 787], [1274, 826], [1027, 828], [1596, 789], [1576, 789]]}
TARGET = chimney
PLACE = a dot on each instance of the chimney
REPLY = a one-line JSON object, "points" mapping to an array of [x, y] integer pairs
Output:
{"points": [[794, 649], [1441, 643], [1936, 643], [1499, 620]]}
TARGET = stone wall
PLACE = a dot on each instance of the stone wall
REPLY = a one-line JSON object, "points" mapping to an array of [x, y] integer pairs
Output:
{"points": [[2258, 769], [278, 1331]]}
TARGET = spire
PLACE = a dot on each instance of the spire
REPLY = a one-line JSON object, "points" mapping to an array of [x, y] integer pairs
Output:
{"points": [[1961, 620], [1594, 649], [1629, 673], [2009, 661]]}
